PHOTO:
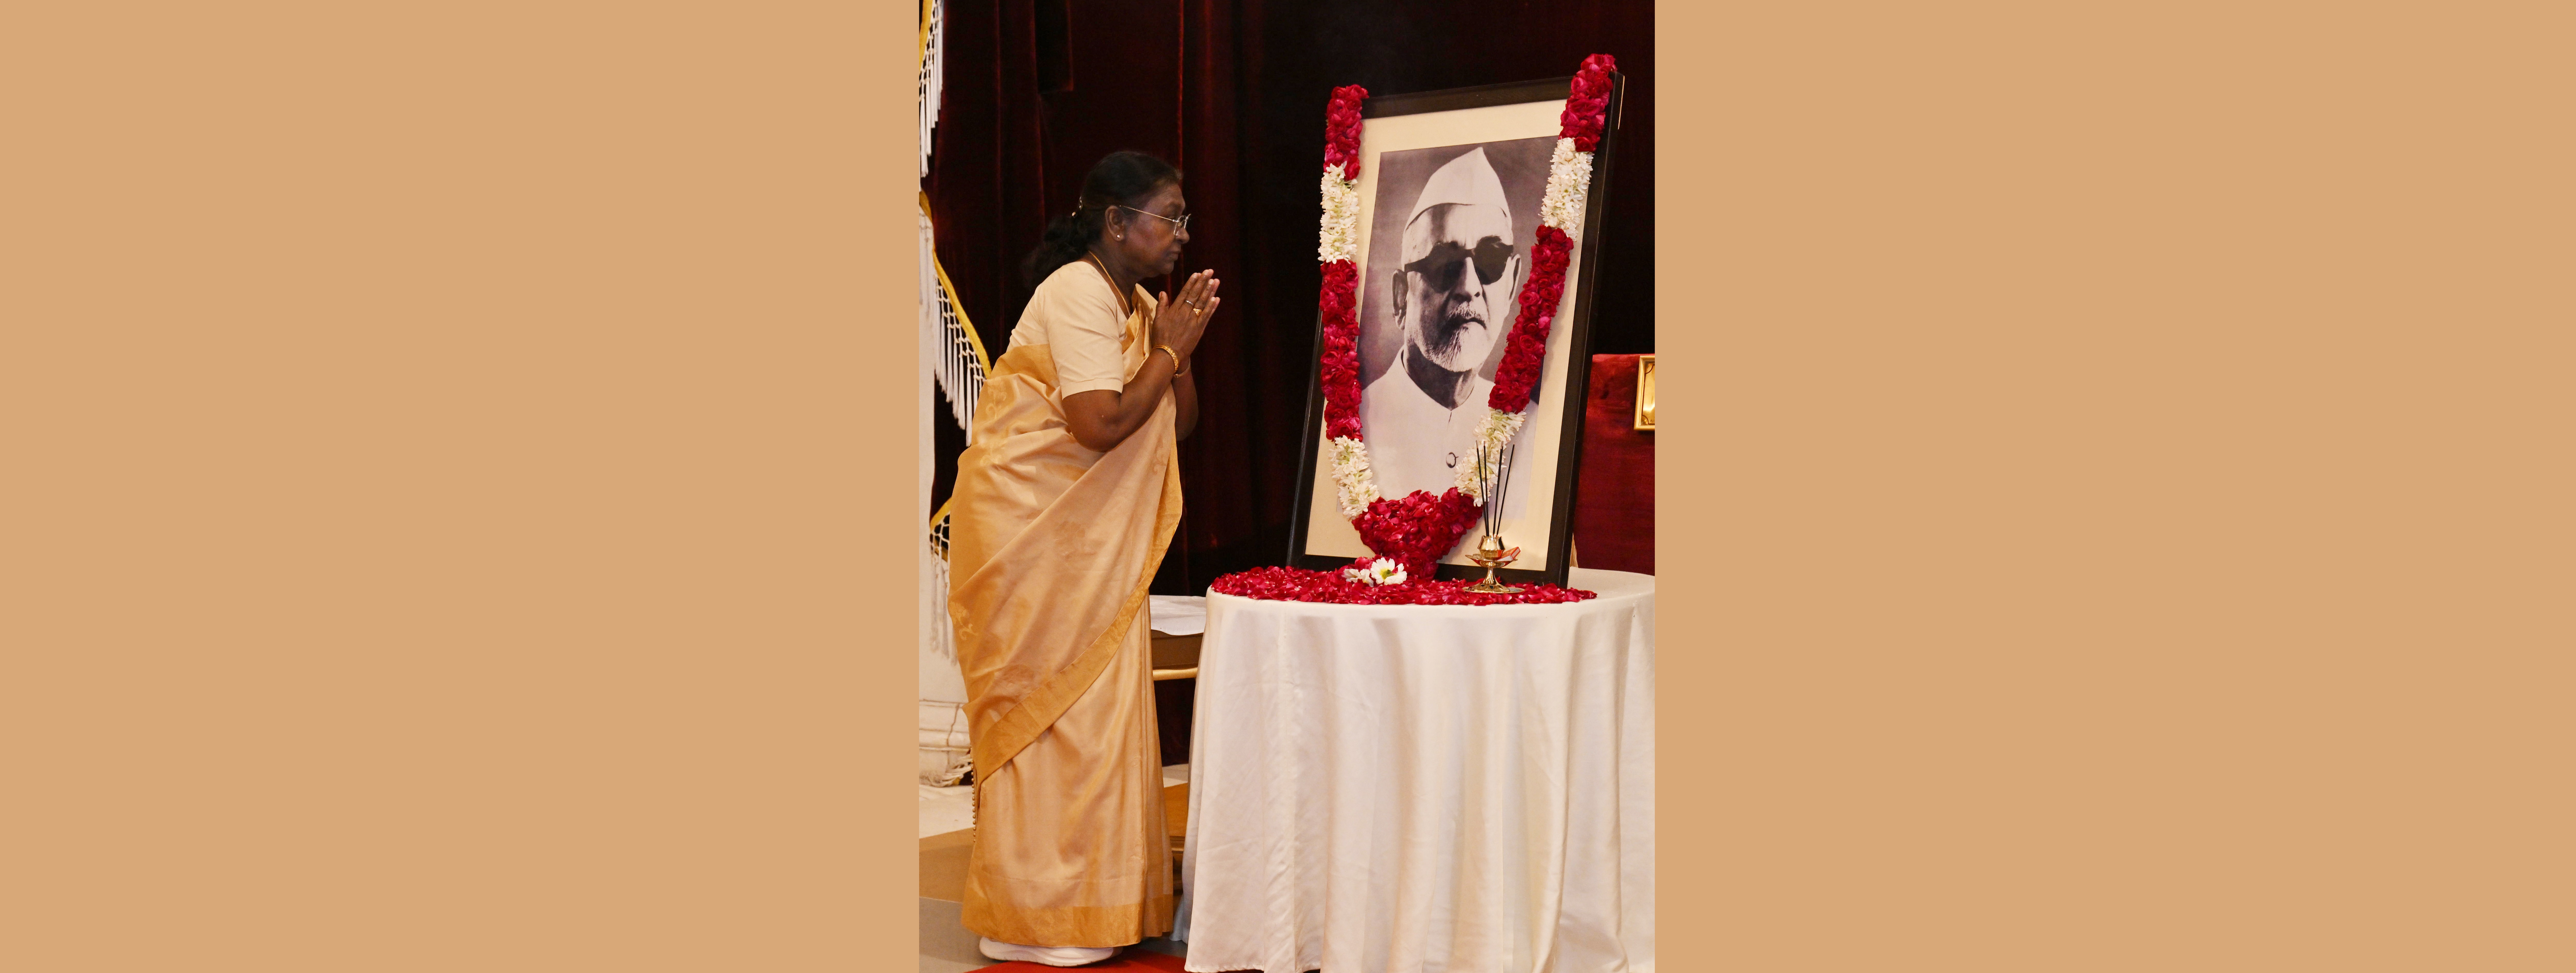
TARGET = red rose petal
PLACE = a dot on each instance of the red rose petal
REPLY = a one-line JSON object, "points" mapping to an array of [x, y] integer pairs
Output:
{"points": [[1293, 584]]}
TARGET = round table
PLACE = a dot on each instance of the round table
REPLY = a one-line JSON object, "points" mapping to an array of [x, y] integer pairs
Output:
{"points": [[1405, 788]]}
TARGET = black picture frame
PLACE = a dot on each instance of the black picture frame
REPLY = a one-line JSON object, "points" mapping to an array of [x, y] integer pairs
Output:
{"points": [[1578, 322]]}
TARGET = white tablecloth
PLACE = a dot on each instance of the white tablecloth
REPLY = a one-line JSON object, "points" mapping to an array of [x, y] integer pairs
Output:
{"points": [[1406, 788]]}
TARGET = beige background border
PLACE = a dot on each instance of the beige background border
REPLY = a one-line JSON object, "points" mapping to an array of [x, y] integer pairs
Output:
{"points": [[2115, 482], [448, 527], [2115, 488]]}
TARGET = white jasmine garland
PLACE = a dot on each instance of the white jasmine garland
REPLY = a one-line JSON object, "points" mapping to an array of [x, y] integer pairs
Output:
{"points": [[1498, 428], [1569, 178], [1340, 236], [1353, 485]]}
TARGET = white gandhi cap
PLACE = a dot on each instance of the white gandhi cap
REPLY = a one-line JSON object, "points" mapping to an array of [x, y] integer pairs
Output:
{"points": [[1466, 179]]}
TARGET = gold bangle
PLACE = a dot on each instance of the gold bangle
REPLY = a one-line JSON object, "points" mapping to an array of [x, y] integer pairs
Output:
{"points": [[1178, 369]]}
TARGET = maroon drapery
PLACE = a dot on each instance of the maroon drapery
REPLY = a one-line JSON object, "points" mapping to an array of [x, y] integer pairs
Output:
{"points": [[1614, 504], [1232, 91]]}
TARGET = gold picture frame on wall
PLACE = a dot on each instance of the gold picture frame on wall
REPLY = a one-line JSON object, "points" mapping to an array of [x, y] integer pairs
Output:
{"points": [[1646, 393]]}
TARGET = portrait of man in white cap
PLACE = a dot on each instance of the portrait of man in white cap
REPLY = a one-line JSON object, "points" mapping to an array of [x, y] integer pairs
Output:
{"points": [[1452, 294]]}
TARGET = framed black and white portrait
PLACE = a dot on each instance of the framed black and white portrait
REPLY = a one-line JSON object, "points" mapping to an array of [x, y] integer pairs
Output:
{"points": [[1450, 189]]}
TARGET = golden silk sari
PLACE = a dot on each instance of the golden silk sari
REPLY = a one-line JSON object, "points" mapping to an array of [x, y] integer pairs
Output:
{"points": [[1051, 547]]}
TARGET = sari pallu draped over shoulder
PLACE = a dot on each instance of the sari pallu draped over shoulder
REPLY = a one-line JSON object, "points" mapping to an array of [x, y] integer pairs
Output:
{"points": [[1051, 548]]}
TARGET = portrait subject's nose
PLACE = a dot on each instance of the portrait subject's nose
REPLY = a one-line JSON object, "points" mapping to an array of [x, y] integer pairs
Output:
{"points": [[1465, 282]]}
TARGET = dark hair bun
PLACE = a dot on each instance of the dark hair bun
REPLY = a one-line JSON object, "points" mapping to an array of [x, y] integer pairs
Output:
{"points": [[1118, 179]]}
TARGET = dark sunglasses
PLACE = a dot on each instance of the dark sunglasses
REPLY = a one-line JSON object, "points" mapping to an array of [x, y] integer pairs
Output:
{"points": [[1439, 268]]}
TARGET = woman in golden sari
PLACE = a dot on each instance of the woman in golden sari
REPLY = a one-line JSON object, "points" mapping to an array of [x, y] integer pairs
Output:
{"points": [[1064, 504]]}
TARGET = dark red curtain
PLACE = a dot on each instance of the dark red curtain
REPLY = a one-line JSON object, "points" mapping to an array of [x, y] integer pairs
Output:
{"points": [[1614, 504], [1233, 92]]}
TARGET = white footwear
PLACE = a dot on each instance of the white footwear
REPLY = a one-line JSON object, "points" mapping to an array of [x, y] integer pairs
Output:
{"points": [[1046, 955]]}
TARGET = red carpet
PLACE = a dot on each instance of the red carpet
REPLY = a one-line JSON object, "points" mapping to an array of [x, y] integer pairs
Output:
{"points": [[1134, 959]]}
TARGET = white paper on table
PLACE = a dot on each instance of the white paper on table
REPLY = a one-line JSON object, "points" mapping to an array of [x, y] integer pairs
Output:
{"points": [[1178, 614]]}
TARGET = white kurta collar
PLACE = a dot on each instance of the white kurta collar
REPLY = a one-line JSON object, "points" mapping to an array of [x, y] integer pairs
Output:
{"points": [[1414, 442]]}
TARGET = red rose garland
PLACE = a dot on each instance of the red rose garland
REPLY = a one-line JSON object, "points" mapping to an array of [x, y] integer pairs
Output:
{"points": [[1341, 361], [1417, 530], [1525, 351], [1342, 130], [1587, 106], [1340, 309]]}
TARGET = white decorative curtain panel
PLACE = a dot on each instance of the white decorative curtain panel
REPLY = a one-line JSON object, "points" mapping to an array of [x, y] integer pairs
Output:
{"points": [[952, 362]]}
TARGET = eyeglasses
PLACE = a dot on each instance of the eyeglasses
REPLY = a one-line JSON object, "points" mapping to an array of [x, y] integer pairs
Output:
{"points": [[1177, 225], [1440, 267]]}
